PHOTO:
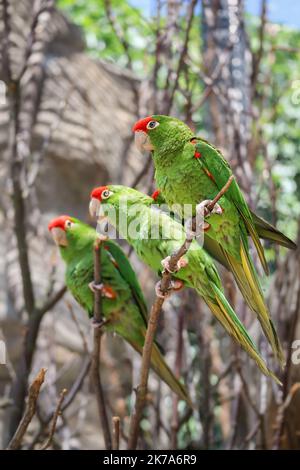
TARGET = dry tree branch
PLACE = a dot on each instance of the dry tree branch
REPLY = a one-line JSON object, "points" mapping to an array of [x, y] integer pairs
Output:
{"points": [[33, 395], [141, 390], [142, 173], [116, 433], [118, 31], [79, 329], [17, 146], [57, 413], [280, 422], [68, 400], [175, 424], [95, 369], [259, 55], [182, 54]]}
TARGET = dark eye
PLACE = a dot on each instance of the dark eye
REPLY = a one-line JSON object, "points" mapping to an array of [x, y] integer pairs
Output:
{"points": [[68, 224], [105, 194], [152, 124]]}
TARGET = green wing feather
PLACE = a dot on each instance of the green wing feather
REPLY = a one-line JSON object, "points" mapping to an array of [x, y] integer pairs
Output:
{"points": [[125, 269], [269, 232], [221, 172]]}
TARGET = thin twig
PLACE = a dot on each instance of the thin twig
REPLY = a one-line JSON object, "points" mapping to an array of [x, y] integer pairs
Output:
{"points": [[280, 423], [79, 329], [116, 433], [33, 395], [175, 424], [118, 31], [95, 370], [57, 413], [50, 303], [225, 188], [68, 400], [141, 391], [142, 173], [182, 54], [259, 55]]}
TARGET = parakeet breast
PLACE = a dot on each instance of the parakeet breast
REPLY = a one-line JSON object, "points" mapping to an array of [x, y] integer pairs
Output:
{"points": [[185, 184]]}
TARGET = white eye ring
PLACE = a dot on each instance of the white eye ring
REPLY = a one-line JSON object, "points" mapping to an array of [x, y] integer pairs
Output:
{"points": [[106, 193], [152, 125], [68, 224]]}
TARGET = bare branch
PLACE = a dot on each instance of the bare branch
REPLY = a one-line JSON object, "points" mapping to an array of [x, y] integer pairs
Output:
{"points": [[50, 303], [97, 347], [142, 173], [7, 77], [118, 31], [57, 413], [258, 56], [116, 433], [182, 54], [79, 329], [33, 395], [68, 399], [141, 391]]}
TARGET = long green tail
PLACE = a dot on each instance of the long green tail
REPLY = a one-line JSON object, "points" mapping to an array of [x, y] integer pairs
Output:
{"points": [[247, 280], [269, 232], [159, 365], [232, 324]]}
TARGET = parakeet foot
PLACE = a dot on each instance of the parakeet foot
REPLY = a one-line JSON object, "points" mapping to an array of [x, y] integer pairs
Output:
{"points": [[106, 291], [181, 263], [95, 287], [203, 211], [175, 286], [98, 324]]}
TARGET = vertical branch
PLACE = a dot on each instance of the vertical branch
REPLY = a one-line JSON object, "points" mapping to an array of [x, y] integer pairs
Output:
{"points": [[280, 422], [116, 433], [33, 395], [152, 327], [259, 55], [147, 349], [95, 368], [19, 149], [182, 55], [175, 425], [57, 413]]}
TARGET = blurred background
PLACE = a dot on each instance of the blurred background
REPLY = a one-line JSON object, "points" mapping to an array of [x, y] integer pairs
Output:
{"points": [[75, 76]]}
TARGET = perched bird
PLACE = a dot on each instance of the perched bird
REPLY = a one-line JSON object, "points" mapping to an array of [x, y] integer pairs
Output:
{"points": [[154, 235], [191, 171], [123, 306]]}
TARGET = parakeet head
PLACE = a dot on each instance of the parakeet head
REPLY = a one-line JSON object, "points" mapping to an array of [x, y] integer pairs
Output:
{"points": [[112, 196], [160, 133], [70, 234]]}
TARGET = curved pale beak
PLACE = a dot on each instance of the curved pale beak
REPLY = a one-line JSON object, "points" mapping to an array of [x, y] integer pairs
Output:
{"points": [[59, 236], [96, 209], [142, 141]]}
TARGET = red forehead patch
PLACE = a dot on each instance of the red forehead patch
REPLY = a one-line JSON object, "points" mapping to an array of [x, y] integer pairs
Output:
{"points": [[141, 125], [59, 222], [97, 192]]}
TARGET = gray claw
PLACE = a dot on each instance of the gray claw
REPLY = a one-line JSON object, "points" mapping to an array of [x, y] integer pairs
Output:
{"points": [[203, 211], [181, 263], [95, 287]]}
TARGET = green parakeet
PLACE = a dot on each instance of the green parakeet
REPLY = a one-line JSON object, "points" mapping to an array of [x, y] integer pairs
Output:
{"points": [[123, 303], [188, 171], [155, 235]]}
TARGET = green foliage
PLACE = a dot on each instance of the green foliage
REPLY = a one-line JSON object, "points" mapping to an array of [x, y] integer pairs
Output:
{"points": [[279, 123], [102, 41]]}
